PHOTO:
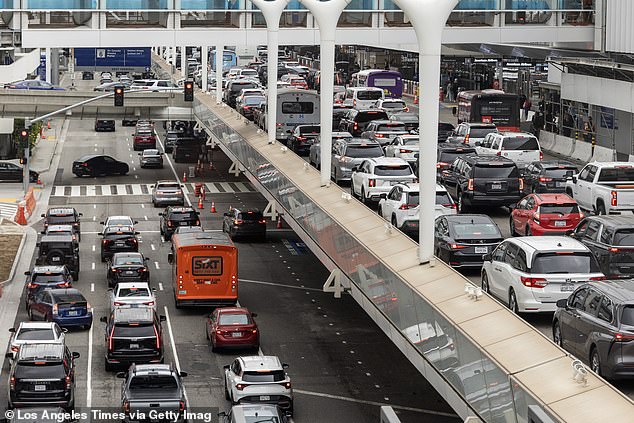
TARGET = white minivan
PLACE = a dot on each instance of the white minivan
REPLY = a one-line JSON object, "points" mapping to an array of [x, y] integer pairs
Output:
{"points": [[362, 98], [521, 147]]}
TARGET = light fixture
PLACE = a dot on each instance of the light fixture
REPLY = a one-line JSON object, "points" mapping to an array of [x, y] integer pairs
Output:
{"points": [[346, 197], [284, 149], [579, 373]]}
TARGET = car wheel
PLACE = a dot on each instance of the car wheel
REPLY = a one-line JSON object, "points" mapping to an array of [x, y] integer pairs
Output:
{"points": [[557, 338], [103, 258], [29, 313], [227, 396], [595, 361], [214, 348], [485, 282], [107, 366], [528, 231], [394, 222], [513, 302], [363, 199], [601, 209], [512, 227], [379, 210]]}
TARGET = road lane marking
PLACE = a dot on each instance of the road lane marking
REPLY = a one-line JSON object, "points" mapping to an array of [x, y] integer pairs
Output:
{"points": [[93, 265], [92, 287], [89, 373], [152, 247], [142, 205], [173, 344], [160, 286], [94, 248], [94, 218], [145, 217], [136, 176], [279, 284], [94, 206], [157, 265]]}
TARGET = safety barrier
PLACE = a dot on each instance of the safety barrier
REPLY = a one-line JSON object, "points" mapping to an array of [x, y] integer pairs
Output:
{"points": [[30, 201], [563, 146], [603, 154], [582, 150]]}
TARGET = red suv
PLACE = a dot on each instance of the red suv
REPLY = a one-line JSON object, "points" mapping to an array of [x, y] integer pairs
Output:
{"points": [[144, 137], [229, 327], [545, 214]]}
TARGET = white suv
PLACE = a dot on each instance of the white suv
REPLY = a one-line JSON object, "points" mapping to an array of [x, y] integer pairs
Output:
{"points": [[401, 206], [377, 176], [133, 294], [259, 379], [155, 85], [35, 332], [522, 148], [531, 274]]}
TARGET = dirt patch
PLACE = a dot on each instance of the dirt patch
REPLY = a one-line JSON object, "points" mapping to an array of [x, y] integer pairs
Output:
{"points": [[9, 245]]}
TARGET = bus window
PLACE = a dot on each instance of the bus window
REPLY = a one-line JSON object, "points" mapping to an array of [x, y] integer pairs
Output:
{"points": [[294, 107]]}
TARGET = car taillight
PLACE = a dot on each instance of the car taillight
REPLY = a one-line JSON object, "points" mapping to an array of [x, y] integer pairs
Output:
{"points": [[356, 126], [158, 339], [237, 221], [620, 337], [441, 165], [67, 378], [614, 199], [169, 223], [126, 406], [354, 103], [12, 382], [181, 406], [55, 309], [118, 303], [371, 182], [287, 385], [241, 386], [197, 222], [262, 221], [149, 303], [541, 156], [542, 179], [63, 285], [521, 184], [111, 340], [452, 205], [402, 150], [598, 278], [84, 164], [234, 282], [470, 185], [457, 246], [466, 139], [536, 217], [379, 135], [300, 138], [116, 270], [142, 270], [499, 153], [613, 250], [533, 282], [134, 241], [106, 242], [15, 348], [31, 285]]}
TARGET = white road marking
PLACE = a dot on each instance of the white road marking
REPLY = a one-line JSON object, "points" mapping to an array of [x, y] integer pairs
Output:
{"points": [[160, 286], [156, 264], [95, 145], [93, 265], [173, 344], [94, 218], [136, 176], [152, 247], [105, 190], [142, 205], [145, 217], [134, 168], [169, 161], [75, 190], [89, 372], [136, 188], [94, 248], [94, 206], [279, 284], [92, 287]]}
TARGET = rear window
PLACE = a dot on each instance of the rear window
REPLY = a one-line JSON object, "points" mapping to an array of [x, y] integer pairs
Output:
{"points": [[471, 230], [495, 172], [560, 209], [253, 99], [237, 87], [309, 129], [69, 298], [295, 107], [33, 334], [115, 234], [450, 156], [190, 215], [169, 186], [393, 105], [233, 319], [134, 331], [119, 222], [617, 174], [369, 95], [480, 132], [253, 215], [624, 237], [369, 116], [627, 315], [364, 151], [133, 292], [443, 198], [392, 127], [396, 170], [559, 173], [576, 262], [39, 371], [61, 219], [273, 376], [413, 198], [128, 260], [153, 382], [48, 277], [520, 143], [150, 152]]}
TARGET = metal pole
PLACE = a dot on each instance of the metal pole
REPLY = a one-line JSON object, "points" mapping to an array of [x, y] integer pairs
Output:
{"points": [[220, 51], [48, 64], [204, 57], [184, 62]]}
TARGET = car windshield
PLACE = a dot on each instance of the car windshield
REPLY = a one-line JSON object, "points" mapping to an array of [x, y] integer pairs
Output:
{"points": [[253, 99], [365, 151], [560, 172], [48, 277], [68, 297], [237, 87], [391, 127], [264, 376], [617, 174], [480, 132], [393, 105], [39, 371], [134, 330], [133, 292], [495, 172], [35, 334], [520, 143], [233, 319], [153, 382], [560, 209], [126, 260], [369, 95], [309, 129], [564, 262], [393, 170], [624, 238], [474, 230]]}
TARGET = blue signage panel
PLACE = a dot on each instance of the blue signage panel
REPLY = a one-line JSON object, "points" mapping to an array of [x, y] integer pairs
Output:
{"points": [[41, 70], [113, 59]]}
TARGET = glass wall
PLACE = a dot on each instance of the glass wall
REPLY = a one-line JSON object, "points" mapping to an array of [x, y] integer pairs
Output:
{"points": [[289, 18], [227, 13], [137, 4], [58, 4]]}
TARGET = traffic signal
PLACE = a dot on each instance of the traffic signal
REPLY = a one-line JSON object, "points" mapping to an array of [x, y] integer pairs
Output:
{"points": [[189, 91], [24, 138], [118, 96]]}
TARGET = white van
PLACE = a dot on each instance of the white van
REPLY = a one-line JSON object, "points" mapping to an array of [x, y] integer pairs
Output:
{"points": [[294, 107], [155, 85], [363, 98], [521, 147]]}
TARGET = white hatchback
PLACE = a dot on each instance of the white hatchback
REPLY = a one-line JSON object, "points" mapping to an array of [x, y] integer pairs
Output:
{"points": [[135, 294]]}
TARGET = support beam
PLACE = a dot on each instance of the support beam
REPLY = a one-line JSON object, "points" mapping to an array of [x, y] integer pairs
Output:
{"points": [[184, 61], [47, 53], [204, 59], [220, 51]]}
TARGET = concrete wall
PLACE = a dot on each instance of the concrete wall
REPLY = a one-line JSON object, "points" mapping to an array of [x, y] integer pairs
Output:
{"points": [[598, 91], [23, 65], [619, 34]]}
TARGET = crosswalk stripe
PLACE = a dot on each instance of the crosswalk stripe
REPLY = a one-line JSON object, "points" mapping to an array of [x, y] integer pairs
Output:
{"points": [[242, 187], [91, 191], [211, 188], [8, 210], [143, 189], [136, 190], [225, 186], [121, 189], [105, 190], [75, 191]]}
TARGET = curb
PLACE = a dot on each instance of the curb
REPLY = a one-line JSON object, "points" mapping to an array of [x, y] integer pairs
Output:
{"points": [[15, 259], [57, 139]]}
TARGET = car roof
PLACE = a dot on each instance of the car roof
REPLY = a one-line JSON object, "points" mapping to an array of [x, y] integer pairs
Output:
{"points": [[118, 217], [133, 314], [59, 227], [34, 351], [128, 254], [615, 221], [549, 244], [359, 141], [260, 362], [181, 209], [387, 161], [233, 310], [488, 158], [559, 198], [133, 285], [64, 291], [163, 369], [202, 238], [468, 218], [548, 164], [387, 122], [515, 135], [57, 238], [620, 289], [167, 181], [36, 325], [242, 411]]}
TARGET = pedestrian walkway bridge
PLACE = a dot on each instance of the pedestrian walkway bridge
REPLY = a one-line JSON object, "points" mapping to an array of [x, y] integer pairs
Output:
{"points": [[482, 358], [380, 23]]}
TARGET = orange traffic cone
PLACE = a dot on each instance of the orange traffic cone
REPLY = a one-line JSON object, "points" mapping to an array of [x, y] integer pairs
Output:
{"points": [[42, 133], [48, 125], [20, 219], [213, 207], [200, 202], [202, 192], [279, 221], [184, 176]]}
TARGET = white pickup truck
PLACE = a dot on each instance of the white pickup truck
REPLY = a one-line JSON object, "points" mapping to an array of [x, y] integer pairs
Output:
{"points": [[604, 188]]}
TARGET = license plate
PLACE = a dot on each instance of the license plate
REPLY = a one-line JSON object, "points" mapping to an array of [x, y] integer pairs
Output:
{"points": [[183, 223], [236, 334], [559, 184], [134, 346], [56, 258], [119, 244], [481, 250], [265, 397], [73, 313], [130, 272], [567, 287], [40, 387], [496, 186], [560, 223]]}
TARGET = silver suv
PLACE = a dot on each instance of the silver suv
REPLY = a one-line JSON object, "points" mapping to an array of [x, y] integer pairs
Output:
{"points": [[167, 193], [259, 379], [348, 153]]}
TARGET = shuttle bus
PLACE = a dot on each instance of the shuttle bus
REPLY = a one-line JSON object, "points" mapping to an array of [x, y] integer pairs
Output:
{"points": [[294, 107], [229, 60], [204, 269], [390, 82], [490, 106]]}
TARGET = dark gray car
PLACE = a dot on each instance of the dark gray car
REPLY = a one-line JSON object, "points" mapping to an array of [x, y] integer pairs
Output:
{"points": [[151, 158], [596, 324]]}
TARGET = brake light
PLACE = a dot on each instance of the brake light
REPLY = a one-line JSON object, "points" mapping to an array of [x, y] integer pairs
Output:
{"points": [[613, 250], [541, 155], [287, 385], [379, 135], [441, 165], [457, 246], [12, 382], [84, 164], [15, 348], [262, 221], [118, 303], [55, 309], [356, 126], [142, 270], [237, 221], [545, 179], [300, 138], [241, 386], [466, 139], [521, 184], [181, 406], [619, 337], [470, 185], [533, 282], [67, 378], [111, 342], [31, 285], [614, 198], [115, 270], [106, 242], [149, 303], [126, 406], [63, 285], [354, 103], [407, 206], [598, 278], [158, 339], [169, 223], [134, 241], [371, 183], [402, 150]]}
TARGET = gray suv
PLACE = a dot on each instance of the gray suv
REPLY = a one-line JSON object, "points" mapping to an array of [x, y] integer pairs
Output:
{"points": [[167, 193], [596, 324], [347, 154]]}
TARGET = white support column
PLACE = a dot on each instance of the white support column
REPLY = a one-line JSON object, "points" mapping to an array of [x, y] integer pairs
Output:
{"points": [[327, 15], [220, 51], [428, 18], [49, 64], [184, 61], [204, 58], [272, 12]]}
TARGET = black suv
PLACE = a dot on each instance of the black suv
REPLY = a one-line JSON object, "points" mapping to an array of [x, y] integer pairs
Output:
{"points": [[611, 240], [173, 217], [42, 374], [59, 250], [127, 267], [118, 239], [483, 181], [106, 125], [447, 154], [42, 277], [548, 176], [133, 335], [63, 216], [244, 223], [355, 120], [187, 149]]}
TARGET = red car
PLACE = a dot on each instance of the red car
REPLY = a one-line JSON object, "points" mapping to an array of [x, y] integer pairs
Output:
{"points": [[232, 327], [545, 214]]}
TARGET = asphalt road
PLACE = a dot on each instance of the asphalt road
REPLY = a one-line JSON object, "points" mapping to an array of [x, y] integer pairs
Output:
{"points": [[342, 366]]}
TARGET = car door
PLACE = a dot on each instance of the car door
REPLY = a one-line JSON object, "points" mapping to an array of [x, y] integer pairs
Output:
{"points": [[441, 232], [506, 276], [109, 165], [357, 178], [568, 318], [527, 213], [517, 216], [495, 270], [583, 192], [591, 236], [390, 204], [4, 172], [449, 177], [337, 152], [587, 323]]}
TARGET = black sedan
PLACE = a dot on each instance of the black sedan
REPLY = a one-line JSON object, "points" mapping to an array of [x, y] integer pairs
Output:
{"points": [[548, 176], [463, 240], [127, 267], [12, 172], [118, 239], [151, 158], [99, 165]]}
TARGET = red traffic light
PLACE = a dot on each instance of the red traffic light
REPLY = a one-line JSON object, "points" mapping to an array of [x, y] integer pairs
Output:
{"points": [[119, 90], [189, 85], [24, 133]]}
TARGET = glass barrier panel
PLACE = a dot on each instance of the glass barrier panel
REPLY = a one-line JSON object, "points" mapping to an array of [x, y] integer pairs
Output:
{"points": [[60, 4], [131, 18], [193, 18], [136, 4], [57, 19], [210, 5], [355, 19]]}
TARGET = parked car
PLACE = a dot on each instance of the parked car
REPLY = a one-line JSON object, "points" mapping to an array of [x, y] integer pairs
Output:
{"points": [[35, 333], [483, 181], [127, 267], [63, 216], [611, 240], [355, 121], [232, 327], [548, 176], [544, 214], [175, 216], [384, 131], [374, 177], [118, 239], [314, 152], [463, 240], [604, 187], [258, 379], [99, 165], [59, 250], [531, 274], [520, 147], [65, 306], [14, 172], [302, 137], [33, 84], [149, 389], [245, 223], [48, 365], [470, 133], [595, 324], [151, 158], [42, 277], [132, 294], [405, 147]]}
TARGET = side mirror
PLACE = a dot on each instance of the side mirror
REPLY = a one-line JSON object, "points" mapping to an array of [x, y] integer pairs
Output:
{"points": [[75, 354], [170, 258], [254, 315], [43, 232], [162, 318], [121, 375], [182, 186], [101, 223], [183, 374], [9, 356], [284, 366], [100, 233], [12, 330], [81, 214], [383, 195], [574, 179], [571, 233], [136, 232], [160, 214], [103, 319], [153, 289], [478, 144], [226, 367], [140, 154], [27, 273], [37, 244], [136, 222], [146, 259], [355, 168], [487, 257], [563, 303]]}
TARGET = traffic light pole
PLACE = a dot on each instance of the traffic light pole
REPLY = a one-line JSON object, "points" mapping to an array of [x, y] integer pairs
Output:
{"points": [[26, 174]]}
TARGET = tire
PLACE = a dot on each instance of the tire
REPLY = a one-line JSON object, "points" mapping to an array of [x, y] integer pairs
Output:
{"points": [[485, 283], [78, 236], [512, 227], [363, 199], [601, 209], [379, 210], [513, 302], [227, 396], [394, 222], [30, 314], [55, 253], [595, 360], [528, 231], [107, 366], [462, 207], [352, 191], [103, 258], [213, 347], [557, 337]]}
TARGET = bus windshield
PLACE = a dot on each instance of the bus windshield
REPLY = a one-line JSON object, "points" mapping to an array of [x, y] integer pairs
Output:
{"points": [[498, 108]]}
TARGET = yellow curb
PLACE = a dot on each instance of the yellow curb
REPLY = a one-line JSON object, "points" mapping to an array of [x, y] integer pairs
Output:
{"points": [[8, 200]]}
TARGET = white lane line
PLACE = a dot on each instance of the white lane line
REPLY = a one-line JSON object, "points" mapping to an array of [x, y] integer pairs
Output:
{"points": [[93, 265], [169, 161], [145, 217], [92, 287], [375, 403], [94, 218], [173, 344], [142, 206], [93, 248], [136, 189], [133, 168], [89, 372], [157, 265], [152, 247], [279, 284], [136, 176], [160, 286], [94, 206]]}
